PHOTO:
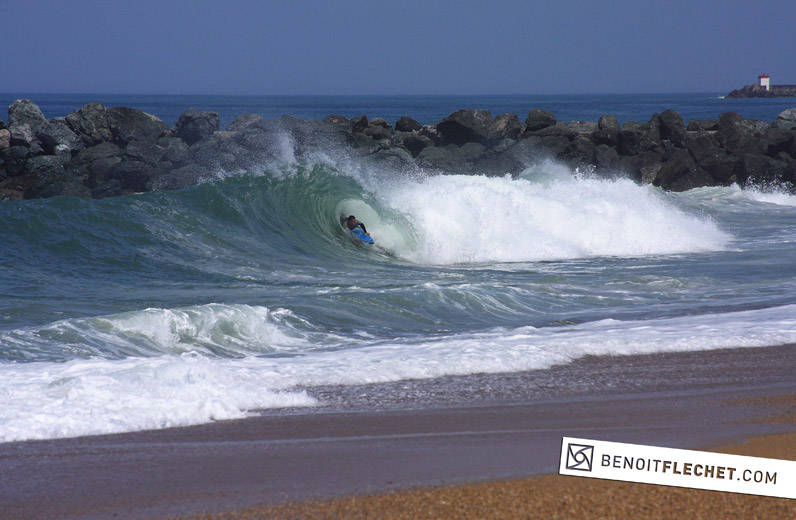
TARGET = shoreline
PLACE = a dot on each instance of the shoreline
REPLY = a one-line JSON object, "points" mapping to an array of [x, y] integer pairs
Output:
{"points": [[548, 496], [308, 455]]}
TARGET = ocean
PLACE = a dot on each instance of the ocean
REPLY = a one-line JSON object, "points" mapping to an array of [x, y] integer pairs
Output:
{"points": [[244, 294]]}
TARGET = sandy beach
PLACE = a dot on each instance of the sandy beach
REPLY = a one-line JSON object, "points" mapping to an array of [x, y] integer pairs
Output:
{"points": [[486, 457]]}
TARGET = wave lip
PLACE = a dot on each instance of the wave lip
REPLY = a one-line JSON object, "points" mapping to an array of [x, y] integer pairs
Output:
{"points": [[472, 219]]}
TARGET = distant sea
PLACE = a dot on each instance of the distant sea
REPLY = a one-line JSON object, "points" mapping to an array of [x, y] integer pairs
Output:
{"points": [[424, 109], [244, 293]]}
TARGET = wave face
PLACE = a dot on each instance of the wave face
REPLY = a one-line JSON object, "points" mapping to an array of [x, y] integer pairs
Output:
{"points": [[176, 308]]}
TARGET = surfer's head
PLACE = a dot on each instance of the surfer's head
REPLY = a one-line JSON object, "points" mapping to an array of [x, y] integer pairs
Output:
{"points": [[352, 221]]}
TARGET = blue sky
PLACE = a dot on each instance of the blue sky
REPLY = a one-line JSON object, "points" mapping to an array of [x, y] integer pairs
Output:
{"points": [[393, 47]]}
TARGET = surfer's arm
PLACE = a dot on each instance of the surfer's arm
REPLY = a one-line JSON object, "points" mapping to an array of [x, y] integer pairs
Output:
{"points": [[360, 224]]}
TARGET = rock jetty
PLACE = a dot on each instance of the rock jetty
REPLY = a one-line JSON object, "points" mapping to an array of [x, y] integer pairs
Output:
{"points": [[756, 91], [103, 152]]}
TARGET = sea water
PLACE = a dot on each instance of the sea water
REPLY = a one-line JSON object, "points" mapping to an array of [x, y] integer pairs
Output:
{"points": [[244, 293]]}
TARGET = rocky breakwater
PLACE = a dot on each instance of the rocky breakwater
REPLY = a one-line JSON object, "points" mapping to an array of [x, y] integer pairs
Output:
{"points": [[102, 152]]}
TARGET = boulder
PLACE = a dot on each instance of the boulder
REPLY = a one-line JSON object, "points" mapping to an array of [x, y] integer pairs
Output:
{"points": [[23, 134], [378, 130], [635, 138], [74, 188], [98, 171], [144, 151], [538, 119], [90, 123], [416, 142], [50, 135], [129, 124], [407, 124], [760, 169], [580, 151], [777, 140], [445, 159], [466, 125], [696, 178], [702, 125], [679, 163], [133, 175], [14, 158], [672, 127], [359, 123], [184, 177], [740, 136], [5, 139], [112, 188], [244, 121], [608, 130], [176, 151], [605, 157], [25, 112], [505, 126], [786, 120], [193, 125]]}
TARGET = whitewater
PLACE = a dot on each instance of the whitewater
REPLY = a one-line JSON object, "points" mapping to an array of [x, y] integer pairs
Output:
{"points": [[244, 294]]}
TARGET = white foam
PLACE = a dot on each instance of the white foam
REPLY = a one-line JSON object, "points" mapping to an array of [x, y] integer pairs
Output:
{"points": [[476, 219], [83, 397]]}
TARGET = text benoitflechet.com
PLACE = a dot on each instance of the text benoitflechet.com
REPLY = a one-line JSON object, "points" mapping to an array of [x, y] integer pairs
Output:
{"points": [[677, 467]]}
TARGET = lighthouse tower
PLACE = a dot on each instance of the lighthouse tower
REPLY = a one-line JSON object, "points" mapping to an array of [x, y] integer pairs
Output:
{"points": [[765, 81]]}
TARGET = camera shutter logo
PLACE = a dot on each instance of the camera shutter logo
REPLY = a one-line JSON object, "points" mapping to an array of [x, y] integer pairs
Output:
{"points": [[579, 457]]}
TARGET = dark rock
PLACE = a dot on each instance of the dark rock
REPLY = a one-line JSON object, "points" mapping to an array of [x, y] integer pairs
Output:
{"points": [[703, 125], [555, 144], [606, 157], [777, 140], [472, 151], [396, 158], [520, 155], [25, 112], [112, 188], [5, 139], [144, 151], [672, 127], [465, 125], [649, 166], [378, 130], [505, 126], [91, 123], [244, 121], [44, 170], [580, 151], [176, 151], [786, 120], [759, 169], [538, 119], [50, 135], [444, 159], [359, 123], [702, 146], [133, 175], [129, 124], [415, 143], [14, 160], [407, 124], [680, 163], [180, 178], [193, 125], [66, 187], [608, 130], [635, 138], [740, 136], [97, 171], [696, 178], [23, 134]]}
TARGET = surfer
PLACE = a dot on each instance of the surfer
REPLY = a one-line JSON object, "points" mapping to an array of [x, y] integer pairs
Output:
{"points": [[351, 224]]}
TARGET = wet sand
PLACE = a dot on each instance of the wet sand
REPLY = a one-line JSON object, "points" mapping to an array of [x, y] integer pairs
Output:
{"points": [[372, 456]]}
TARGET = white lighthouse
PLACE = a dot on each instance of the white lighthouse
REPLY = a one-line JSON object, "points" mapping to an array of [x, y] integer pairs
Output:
{"points": [[765, 81]]}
